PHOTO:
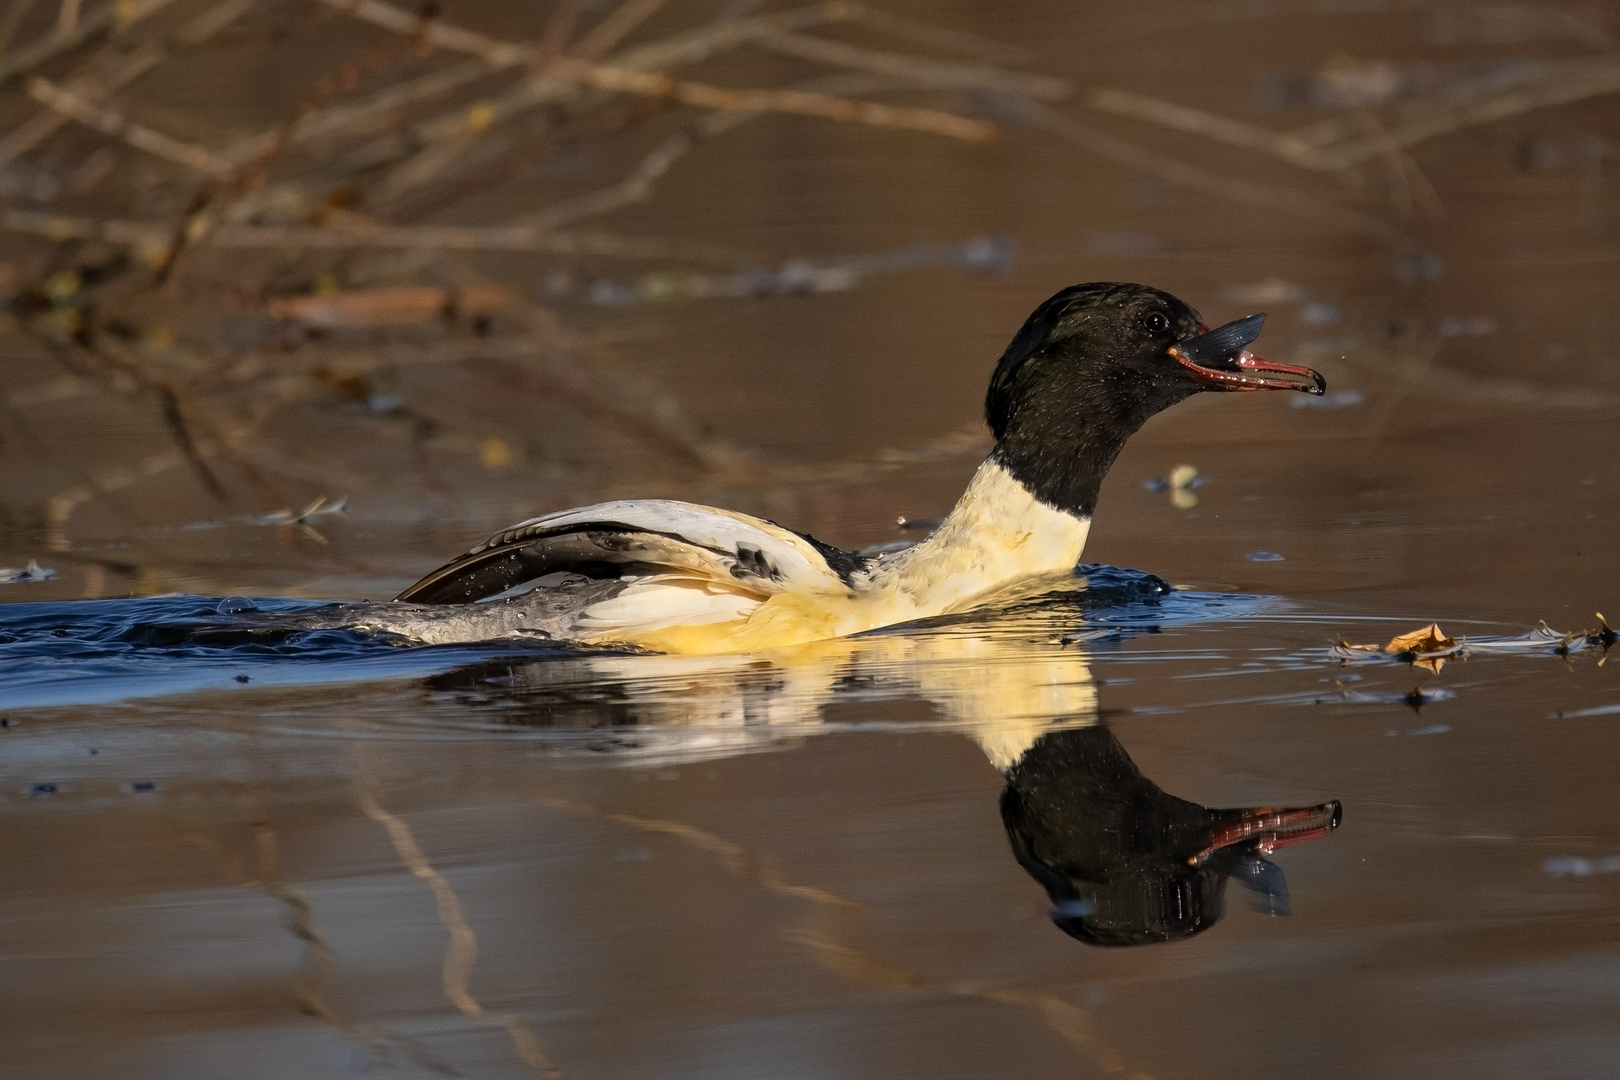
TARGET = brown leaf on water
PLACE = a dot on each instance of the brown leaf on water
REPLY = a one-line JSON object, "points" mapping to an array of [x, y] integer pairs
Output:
{"points": [[1430, 639], [1427, 647]]}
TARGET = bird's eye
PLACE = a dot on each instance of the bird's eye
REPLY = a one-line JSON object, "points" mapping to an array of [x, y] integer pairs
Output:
{"points": [[1157, 322]]}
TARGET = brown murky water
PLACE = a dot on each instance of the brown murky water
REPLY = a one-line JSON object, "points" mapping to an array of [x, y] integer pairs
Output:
{"points": [[481, 862]]}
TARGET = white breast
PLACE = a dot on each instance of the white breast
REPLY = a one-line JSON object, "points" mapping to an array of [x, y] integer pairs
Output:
{"points": [[998, 535]]}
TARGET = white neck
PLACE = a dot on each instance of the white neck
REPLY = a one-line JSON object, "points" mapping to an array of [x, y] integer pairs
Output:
{"points": [[997, 536]]}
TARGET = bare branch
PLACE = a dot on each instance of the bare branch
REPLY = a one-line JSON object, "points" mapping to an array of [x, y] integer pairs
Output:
{"points": [[919, 70], [117, 15], [119, 126], [29, 134], [651, 84]]}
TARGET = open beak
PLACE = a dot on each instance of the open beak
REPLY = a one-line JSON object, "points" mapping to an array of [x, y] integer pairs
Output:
{"points": [[1221, 356], [1265, 829]]}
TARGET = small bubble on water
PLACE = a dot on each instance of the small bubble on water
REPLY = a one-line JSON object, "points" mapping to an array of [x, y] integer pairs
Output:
{"points": [[1263, 556], [143, 787], [41, 790], [242, 679], [236, 605]]}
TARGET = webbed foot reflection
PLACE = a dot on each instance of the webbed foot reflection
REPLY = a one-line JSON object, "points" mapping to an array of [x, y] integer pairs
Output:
{"points": [[1126, 863]]}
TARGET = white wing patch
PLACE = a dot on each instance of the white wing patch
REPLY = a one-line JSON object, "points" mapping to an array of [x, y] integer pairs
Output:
{"points": [[665, 600]]}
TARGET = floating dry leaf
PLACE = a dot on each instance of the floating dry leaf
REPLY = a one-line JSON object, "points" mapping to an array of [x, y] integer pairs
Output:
{"points": [[1430, 639], [1427, 647]]}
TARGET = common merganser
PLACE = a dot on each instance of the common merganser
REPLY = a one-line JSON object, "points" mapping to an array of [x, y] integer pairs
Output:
{"points": [[1089, 367]]}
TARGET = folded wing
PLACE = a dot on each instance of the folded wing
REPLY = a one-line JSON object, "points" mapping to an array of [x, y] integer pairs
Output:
{"points": [[678, 563]]}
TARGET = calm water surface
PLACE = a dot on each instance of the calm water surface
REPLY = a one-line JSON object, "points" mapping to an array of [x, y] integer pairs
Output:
{"points": [[979, 848]]}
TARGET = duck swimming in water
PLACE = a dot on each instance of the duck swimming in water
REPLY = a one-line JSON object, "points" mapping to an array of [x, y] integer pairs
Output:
{"points": [[1089, 367]]}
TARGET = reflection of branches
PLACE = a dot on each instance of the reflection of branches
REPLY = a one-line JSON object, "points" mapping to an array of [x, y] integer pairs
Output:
{"points": [[462, 951], [826, 939], [309, 989]]}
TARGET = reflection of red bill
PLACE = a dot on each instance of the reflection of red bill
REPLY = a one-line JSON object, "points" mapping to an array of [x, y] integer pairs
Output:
{"points": [[1266, 829]]}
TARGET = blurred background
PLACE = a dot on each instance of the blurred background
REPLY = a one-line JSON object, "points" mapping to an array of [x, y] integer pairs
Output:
{"points": [[303, 298], [439, 271]]}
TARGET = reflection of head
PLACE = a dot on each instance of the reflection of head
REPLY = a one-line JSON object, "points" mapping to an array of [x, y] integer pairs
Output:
{"points": [[1124, 862]]}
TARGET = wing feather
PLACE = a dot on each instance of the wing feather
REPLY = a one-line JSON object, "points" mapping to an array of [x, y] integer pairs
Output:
{"points": [[680, 545]]}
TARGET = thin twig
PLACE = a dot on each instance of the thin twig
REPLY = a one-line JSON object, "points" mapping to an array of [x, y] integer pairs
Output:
{"points": [[559, 28], [622, 22], [922, 33], [1558, 83], [15, 14], [369, 113], [1409, 187], [1231, 188], [67, 18], [919, 70], [29, 134], [638, 186], [114, 123], [119, 14], [449, 137], [1289, 148], [799, 102], [153, 235], [652, 84]]}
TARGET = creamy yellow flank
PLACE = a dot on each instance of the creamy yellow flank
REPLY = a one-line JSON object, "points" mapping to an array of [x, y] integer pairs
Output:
{"points": [[998, 543]]}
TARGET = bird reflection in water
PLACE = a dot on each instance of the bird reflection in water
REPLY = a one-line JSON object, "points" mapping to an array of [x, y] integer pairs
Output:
{"points": [[1124, 862]]}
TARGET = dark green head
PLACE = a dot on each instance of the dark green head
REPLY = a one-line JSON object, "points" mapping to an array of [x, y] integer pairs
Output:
{"points": [[1096, 362]]}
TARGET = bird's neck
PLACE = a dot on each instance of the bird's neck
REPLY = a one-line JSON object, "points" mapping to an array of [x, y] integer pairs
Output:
{"points": [[999, 535]]}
